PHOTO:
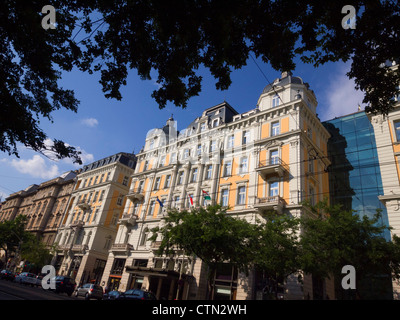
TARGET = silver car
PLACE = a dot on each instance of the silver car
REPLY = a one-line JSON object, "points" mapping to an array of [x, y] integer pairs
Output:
{"points": [[26, 278], [90, 291]]}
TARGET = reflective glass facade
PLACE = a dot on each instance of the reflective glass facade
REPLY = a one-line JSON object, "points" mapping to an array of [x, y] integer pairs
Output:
{"points": [[355, 178]]}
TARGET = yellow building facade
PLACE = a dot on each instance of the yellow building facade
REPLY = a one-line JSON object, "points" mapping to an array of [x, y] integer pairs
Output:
{"points": [[270, 158]]}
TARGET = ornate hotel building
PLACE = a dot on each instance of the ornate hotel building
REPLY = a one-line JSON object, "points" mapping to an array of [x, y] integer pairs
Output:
{"points": [[89, 223], [268, 159]]}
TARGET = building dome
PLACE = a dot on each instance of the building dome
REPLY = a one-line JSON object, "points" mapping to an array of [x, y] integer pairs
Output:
{"points": [[286, 78]]}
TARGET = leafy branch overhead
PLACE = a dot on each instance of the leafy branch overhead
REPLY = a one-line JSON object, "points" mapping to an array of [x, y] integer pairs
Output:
{"points": [[176, 39]]}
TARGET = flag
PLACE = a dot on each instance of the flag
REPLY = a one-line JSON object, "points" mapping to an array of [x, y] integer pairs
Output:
{"points": [[191, 199], [161, 204], [206, 195]]}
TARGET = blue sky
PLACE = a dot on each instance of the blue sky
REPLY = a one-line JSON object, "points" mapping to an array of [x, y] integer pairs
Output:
{"points": [[102, 127]]}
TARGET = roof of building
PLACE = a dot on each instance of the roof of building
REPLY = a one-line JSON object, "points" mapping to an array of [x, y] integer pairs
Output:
{"points": [[286, 78]]}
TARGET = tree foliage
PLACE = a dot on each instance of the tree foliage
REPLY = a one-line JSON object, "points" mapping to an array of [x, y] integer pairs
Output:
{"points": [[13, 235], [333, 238], [176, 38]]}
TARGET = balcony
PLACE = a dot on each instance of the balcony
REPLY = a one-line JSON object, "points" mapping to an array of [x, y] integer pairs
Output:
{"points": [[270, 204], [79, 248], [270, 167], [135, 196], [121, 248], [77, 224], [128, 219], [83, 205]]}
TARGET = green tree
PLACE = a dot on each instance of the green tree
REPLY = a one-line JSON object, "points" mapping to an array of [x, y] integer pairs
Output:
{"points": [[333, 237], [275, 251], [13, 235], [36, 252], [176, 38], [209, 234]]}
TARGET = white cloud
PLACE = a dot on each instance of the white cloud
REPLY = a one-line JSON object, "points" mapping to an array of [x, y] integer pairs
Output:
{"points": [[90, 122], [341, 98], [36, 167], [85, 157]]}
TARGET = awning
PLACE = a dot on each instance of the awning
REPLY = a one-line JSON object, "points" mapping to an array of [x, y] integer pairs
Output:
{"points": [[155, 272]]}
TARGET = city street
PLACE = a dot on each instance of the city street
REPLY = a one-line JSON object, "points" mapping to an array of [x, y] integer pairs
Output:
{"points": [[15, 291]]}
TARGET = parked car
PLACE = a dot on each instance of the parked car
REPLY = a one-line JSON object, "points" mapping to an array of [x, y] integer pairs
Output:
{"points": [[7, 275], [26, 278], [90, 291], [136, 294], [112, 295], [64, 284], [39, 280]]}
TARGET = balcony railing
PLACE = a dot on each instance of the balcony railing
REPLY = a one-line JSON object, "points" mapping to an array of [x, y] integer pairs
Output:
{"points": [[128, 219], [83, 205], [274, 203], [121, 247], [272, 166], [77, 224], [135, 196], [79, 247]]}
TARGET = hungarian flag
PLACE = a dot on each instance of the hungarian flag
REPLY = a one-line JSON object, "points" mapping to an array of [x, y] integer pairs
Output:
{"points": [[206, 195], [190, 199]]}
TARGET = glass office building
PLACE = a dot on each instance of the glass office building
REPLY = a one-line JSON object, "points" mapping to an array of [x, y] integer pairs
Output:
{"points": [[355, 182], [354, 176]]}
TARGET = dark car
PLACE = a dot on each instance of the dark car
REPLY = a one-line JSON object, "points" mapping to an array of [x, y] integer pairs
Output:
{"points": [[136, 294], [64, 284], [7, 275], [112, 295]]}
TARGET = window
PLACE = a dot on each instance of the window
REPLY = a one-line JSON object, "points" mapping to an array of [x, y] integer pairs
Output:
{"points": [[228, 169], [157, 183], [274, 157], [275, 101], [125, 181], [224, 197], [119, 200], [144, 237], [167, 181], [173, 157], [243, 167], [181, 174], [273, 189], [208, 172], [186, 154], [101, 195], [96, 179], [151, 144], [202, 126], [396, 125], [101, 178], [310, 164], [246, 137], [146, 165], [108, 176], [176, 201], [309, 132], [198, 150], [213, 145], [194, 175], [312, 195], [140, 186], [241, 199], [230, 141], [275, 128], [162, 161], [151, 209], [215, 123]]}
